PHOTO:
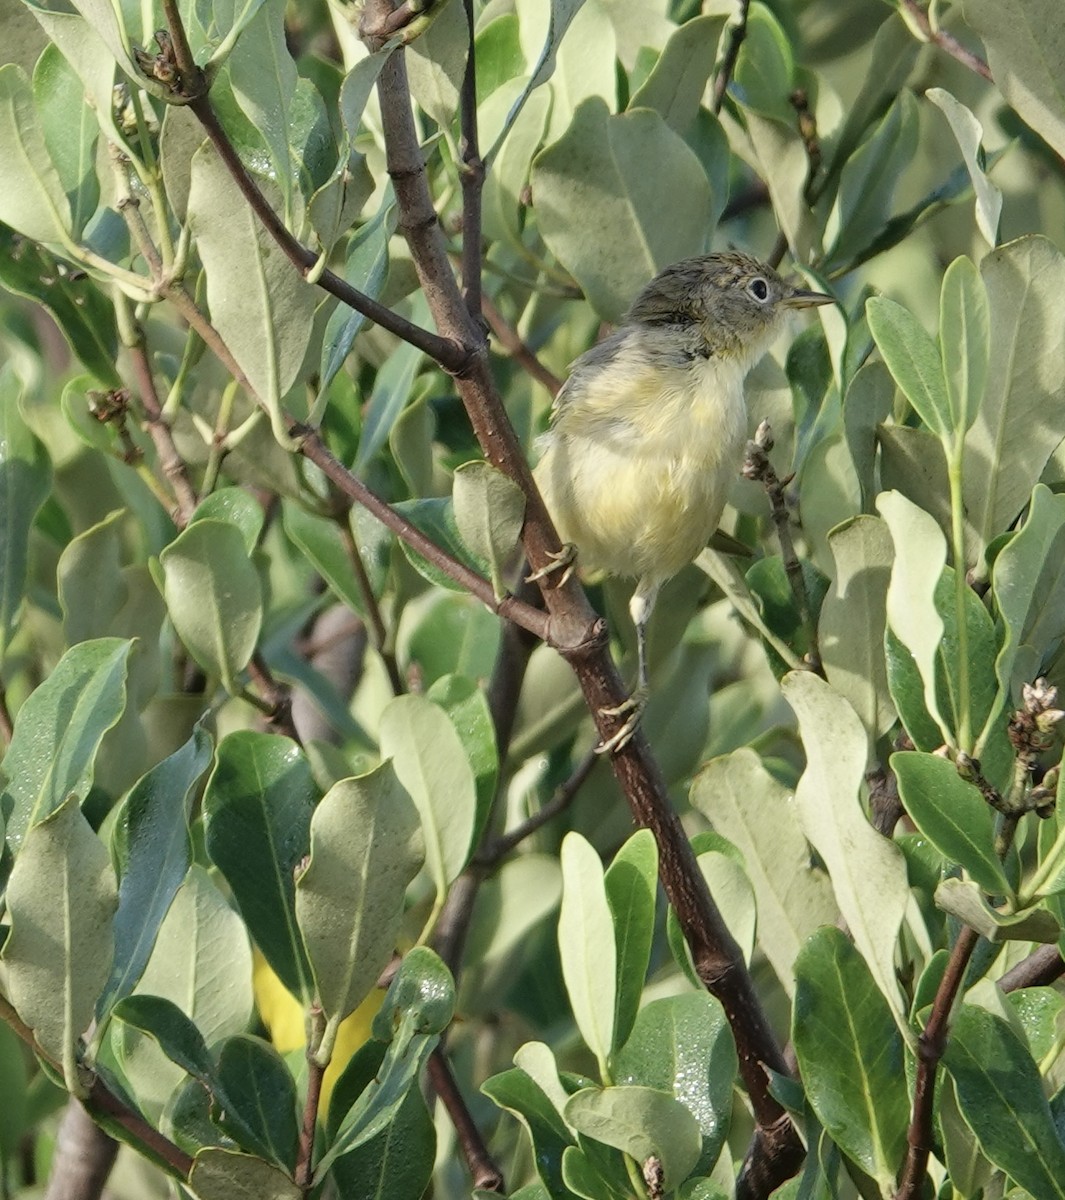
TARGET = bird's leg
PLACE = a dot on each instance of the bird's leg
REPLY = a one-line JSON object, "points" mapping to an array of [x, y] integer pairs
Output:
{"points": [[640, 608], [560, 560]]}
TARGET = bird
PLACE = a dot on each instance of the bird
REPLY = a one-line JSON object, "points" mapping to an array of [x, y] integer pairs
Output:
{"points": [[647, 433]]}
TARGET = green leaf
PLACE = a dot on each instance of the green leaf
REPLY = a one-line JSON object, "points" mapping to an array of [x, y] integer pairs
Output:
{"points": [[397, 1162], [32, 198], [177, 1036], [765, 70], [418, 1006], [631, 883], [1020, 420], [586, 944], [968, 131], [214, 598], [435, 517], [489, 512], [257, 819], [89, 578], [222, 1174], [365, 849], [598, 207], [60, 900], [25, 475], [150, 844], [964, 341], [920, 553], [683, 1045], [642, 1122], [868, 872], [913, 359], [366, 268], [70, 131], [259, 1099], [963, 899], [1000, 1094], [436, 63], [523, 1097], [757, 814], [853, 620], [952, 814], [560, 15], [869, 178], [1023, 40], [323, 543], [391, 390], [675, 87], [236, 507], [260, 304], [1028, 583], [431, 764], [850, 1055], [58, 732], [467, 706]]}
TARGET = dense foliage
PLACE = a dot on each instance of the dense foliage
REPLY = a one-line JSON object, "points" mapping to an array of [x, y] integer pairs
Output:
{"points": [[312, 882]]}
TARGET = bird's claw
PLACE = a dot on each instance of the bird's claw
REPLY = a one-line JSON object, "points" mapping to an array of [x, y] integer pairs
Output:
{"points": [[559, 560], [634, 706]]}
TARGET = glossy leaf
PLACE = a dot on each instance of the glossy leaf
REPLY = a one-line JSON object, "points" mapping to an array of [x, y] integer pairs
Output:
{"points": [[150, 843], [257, 819], [597, 206], [523, 1097], [431, 764], [683, 1045], [397, 1162], [1000, 1094], [24, 480], [631, 883], [868, 872], [214, 598], [259, 1099], [952, 814], [757, 814], [365, 848], [850, 1055], [60, 900], [586, 944], [58, 733], [178, 1037], [235, 506]]}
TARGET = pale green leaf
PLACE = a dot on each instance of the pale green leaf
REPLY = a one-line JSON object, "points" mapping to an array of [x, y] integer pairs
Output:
{"points": [[61, 899], [221, 1174], [964, 341], [32, 198], [913, 359], [587, 947], [868, 872], [490, 512], [969, 132]]}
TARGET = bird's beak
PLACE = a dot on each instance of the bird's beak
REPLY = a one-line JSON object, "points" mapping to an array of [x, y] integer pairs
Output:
{"points": [[801, 298]]}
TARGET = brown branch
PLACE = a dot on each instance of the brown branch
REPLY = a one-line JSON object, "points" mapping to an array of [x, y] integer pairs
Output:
{"points": [[946, 41], [1041, 968], [159, 430], [737, 32], [472, 173], [485, 1174], [315, 1075], [83, 1158], [375, 30], [509, 338], [930, 1049], [580, 637]]}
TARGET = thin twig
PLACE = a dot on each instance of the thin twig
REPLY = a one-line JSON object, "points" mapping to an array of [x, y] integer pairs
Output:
{"points": [[276, 697], [757, 466], [489, 855], [472, 172], [509, 338], [315, 1076], [931, 1045], [375, 624], [737, 32], [946, 41], [1040, 969], [485, 1174]]}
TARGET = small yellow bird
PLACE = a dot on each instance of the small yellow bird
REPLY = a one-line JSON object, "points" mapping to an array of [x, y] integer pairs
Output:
{"points": [[648, 431]]}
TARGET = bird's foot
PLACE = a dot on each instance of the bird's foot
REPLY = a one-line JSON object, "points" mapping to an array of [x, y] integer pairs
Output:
{"points": [[560, 560], [634, 707]]}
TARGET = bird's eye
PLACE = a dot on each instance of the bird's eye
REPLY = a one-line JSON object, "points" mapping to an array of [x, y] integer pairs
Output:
{"points": [[759, 289]]}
